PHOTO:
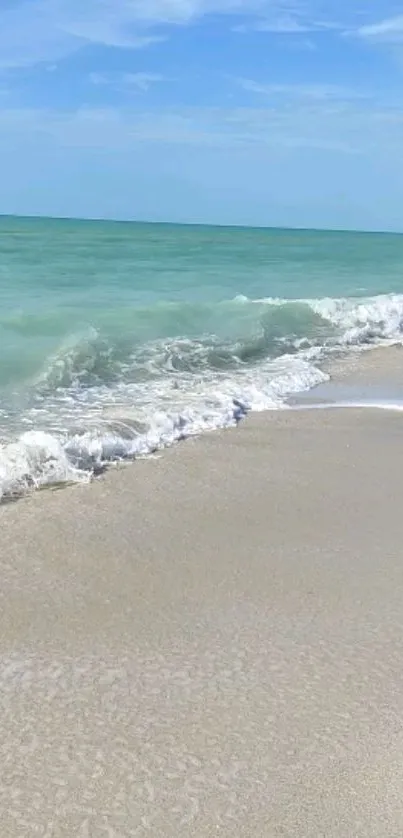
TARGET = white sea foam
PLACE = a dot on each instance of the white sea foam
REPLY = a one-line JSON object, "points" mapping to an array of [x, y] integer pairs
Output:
{"points": [[36, 460], [363, 321], [41, 459], [359, 320]]}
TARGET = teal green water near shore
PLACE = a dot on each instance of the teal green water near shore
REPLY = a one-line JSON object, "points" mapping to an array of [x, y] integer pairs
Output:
{"points": [[119, 338]]}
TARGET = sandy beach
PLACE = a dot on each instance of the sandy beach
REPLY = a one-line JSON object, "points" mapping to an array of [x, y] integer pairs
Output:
{"points": [[211, 642]]}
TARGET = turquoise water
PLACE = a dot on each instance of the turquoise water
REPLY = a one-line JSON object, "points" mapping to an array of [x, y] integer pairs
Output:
{"points": [[119, 338]]}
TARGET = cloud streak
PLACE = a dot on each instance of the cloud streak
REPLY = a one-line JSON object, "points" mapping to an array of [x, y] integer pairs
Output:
{"points": [[389, 31], [295, 23], [129, 82], [313, 92], [341, 128], [47, 30], [33, 31]]}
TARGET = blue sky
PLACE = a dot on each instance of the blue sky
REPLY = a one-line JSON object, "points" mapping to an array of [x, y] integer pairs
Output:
{"points": [[223, 111]]}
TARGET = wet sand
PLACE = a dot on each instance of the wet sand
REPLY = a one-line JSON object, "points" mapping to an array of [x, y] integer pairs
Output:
{"points": [[371, 377], [211, 642]]}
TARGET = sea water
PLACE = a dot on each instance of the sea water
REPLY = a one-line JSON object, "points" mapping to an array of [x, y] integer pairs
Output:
{"points": [[118, 339]]}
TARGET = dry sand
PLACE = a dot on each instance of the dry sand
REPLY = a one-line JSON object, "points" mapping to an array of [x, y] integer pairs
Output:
{"points": [[211, 643]]}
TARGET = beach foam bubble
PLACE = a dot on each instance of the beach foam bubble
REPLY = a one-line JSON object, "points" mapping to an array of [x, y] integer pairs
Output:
{"points": [[35, 460]]}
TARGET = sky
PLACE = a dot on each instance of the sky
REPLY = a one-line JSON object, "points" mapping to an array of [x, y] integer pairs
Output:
{"points": [[256, 112]]}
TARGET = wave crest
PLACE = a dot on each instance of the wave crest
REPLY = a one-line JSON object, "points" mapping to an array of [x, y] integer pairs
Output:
{"points": [[217, 338]]}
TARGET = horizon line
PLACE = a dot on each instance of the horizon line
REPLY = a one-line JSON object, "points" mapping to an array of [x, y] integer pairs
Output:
{"points": [[206, 224]]}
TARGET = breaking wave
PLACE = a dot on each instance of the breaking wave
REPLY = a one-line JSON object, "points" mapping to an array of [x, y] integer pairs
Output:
{"points": [[138, 380]]}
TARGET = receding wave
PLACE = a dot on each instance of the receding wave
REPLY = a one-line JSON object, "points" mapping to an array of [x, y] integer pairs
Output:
{"points": [[133, 381]]}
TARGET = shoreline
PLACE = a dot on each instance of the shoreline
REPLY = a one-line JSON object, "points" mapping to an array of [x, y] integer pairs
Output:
{"points": [[210, 642], [361, 380]]}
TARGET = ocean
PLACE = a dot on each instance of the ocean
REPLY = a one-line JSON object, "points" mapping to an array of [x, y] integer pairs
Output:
{"points": [[118, 339]]}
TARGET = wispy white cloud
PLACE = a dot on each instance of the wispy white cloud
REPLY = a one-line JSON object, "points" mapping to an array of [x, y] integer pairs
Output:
{"points": [[140, 82], [389, 31], [313, 92], [47, 30], [343, 128], [32, 31], [288, 24], [281, 25]]}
